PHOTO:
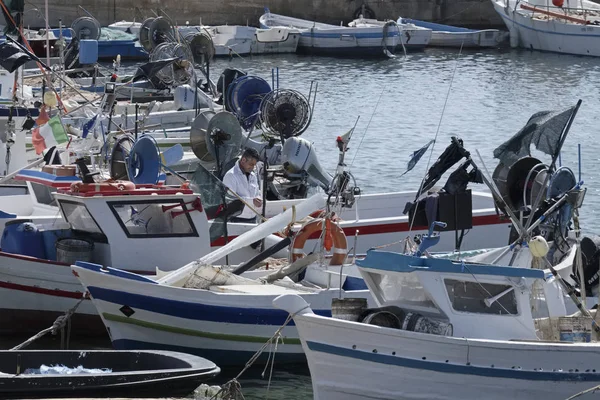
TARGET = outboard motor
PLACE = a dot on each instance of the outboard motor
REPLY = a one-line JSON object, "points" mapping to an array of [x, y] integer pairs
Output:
{"points": [[590, 251], [298, 157]]}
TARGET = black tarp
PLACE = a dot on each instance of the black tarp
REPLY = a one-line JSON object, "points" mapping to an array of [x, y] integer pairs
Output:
{"points": [[543, 129], [150, 69], [453, 154], [15, 9], [12, 56]]}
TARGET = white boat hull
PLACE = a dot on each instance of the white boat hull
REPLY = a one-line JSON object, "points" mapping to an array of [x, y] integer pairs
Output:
{"points": [[484, 38], [229, 326], [414, 39], [348, 361], [548, 35], [318, 38], [244, 40]]}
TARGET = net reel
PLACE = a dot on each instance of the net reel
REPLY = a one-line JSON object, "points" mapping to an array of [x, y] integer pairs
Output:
{"points": [[285, 112]]}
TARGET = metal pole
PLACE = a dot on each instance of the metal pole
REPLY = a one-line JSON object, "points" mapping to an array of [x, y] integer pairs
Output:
{"points": [[47, 35]]}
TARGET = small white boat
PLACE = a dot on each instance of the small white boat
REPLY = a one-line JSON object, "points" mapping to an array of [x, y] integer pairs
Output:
{"points": [[318, 38], [540, 25], [412, 37], [240, 40], [453, 36], [127, 26]]}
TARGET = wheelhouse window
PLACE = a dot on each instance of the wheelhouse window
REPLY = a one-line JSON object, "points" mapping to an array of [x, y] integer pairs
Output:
{"points": [[481, 298], [401, 289], [156, 218], [43, 194], [78, 216]]}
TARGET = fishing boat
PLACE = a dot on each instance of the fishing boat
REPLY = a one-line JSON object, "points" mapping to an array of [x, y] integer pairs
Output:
{"points": [[319, 38], [117, 222], [412, 36], [441, 323], [42, 374], [454, 36], [111, 42], [570, 28]]}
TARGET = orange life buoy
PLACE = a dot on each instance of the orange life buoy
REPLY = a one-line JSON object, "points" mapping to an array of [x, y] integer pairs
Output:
{"points": [[107, 186], [336, 236]]}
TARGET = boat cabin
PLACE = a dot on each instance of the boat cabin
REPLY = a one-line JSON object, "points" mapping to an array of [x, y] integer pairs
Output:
{"points": [[475, 300], [138, 228]]}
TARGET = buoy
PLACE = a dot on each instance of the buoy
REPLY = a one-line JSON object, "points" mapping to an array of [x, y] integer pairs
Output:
{"points": [[340, 244], [538, 246], [558, 3], [50, 99]]}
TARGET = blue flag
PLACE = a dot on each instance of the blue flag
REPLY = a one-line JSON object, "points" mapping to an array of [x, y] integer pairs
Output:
{"points": [[88, 126], [416, 156]]}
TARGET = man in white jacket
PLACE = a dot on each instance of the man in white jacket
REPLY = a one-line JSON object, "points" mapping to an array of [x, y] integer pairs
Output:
{"points": [[243, 180]]}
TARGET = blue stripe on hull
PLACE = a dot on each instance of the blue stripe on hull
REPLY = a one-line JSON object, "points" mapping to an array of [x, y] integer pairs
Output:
{"points": [[223, 357], [195, 311], [376, 51], [454, 368], [338, 35], [18, 112]]}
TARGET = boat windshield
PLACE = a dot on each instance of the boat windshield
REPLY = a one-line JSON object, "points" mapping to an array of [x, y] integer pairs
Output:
{"points": [[401, 289], [156, 218], [78, 216]]}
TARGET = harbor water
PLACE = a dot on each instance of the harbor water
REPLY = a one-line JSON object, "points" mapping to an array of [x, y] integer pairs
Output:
{"points": [[482, 96]]}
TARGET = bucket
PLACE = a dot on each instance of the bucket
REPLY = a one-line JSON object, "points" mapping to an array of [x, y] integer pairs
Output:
{"points": [[385, 319], [417, 323], [575, 329], [70, 250], [348, 309]]}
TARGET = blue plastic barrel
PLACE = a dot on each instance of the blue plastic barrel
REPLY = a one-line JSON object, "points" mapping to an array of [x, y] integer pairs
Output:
{"points": [[88, 51], [23, 238]]}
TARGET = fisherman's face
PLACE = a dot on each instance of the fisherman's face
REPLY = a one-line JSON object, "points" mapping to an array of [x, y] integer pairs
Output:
{"points": [[247, 164]]}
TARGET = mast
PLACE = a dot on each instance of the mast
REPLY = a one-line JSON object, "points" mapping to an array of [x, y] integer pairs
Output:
{"points": [[47, 34]]}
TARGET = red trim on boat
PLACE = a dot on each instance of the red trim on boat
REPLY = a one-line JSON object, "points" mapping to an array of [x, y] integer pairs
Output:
{"points": [[39, 290], [374, 229], [405, 226]]}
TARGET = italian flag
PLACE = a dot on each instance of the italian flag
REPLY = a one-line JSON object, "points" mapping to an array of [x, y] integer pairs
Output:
{"points": [[52, 133]]}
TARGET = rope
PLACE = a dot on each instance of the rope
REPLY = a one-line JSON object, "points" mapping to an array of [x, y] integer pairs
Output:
{"points": [[366, 129], [232, 389], [57, 326], [590, 390], [436, 135]]}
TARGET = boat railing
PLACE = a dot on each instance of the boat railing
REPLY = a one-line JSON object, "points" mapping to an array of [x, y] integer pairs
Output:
{"points": [[562, 12]]}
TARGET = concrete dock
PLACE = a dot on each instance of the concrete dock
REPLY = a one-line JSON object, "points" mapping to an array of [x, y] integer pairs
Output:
{"points": [[470, 13]]}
